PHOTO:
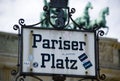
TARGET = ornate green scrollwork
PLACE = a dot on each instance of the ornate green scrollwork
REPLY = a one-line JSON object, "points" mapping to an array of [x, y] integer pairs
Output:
{"points": [[100, 22], [84, 20], [56, 16]]}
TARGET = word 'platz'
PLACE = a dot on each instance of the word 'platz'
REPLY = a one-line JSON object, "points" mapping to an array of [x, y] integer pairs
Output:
{"points": [[65, 63], [60, 63]]}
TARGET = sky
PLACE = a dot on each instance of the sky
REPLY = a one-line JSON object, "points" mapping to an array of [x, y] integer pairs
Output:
{"points": [[12, 10]]}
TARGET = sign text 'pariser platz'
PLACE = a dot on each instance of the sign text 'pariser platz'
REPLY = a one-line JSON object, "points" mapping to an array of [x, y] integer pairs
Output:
{"points": [[58, 52]]}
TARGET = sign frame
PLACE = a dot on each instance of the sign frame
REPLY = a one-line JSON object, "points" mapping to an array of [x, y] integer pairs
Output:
{"points": [[50, 74]]}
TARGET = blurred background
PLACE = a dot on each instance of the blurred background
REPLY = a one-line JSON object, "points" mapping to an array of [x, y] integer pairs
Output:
{"points": [[12, 10]]}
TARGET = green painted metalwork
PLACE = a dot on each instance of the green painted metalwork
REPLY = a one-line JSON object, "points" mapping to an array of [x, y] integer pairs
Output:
{"points": [[43, 15], [100, 21], [83, 21], [58, 16]]}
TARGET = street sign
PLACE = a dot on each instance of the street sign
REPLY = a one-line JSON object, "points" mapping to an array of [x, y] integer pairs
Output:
{"points": [[51, 51]]}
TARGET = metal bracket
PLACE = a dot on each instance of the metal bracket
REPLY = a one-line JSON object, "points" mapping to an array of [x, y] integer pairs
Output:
{"points": [[67, 26]]}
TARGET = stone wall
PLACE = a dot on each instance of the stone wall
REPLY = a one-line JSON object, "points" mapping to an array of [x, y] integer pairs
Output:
{"points": [[109, 53], [8, 55], [8, 43], [110, 58]]}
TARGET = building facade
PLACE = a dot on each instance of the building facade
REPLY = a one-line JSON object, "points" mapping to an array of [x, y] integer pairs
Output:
{"points": [[109, 58]]}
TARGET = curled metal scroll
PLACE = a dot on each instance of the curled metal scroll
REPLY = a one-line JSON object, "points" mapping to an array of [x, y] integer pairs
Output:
{"points": [[19, 78], [74, 22], [100, 76], [22, 22], [23, 77], [16, 27], [101, 33], [72, 12], [16, 72]]}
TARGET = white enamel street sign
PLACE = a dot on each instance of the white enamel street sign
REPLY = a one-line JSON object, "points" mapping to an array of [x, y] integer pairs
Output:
{"points": [[58, 52]]}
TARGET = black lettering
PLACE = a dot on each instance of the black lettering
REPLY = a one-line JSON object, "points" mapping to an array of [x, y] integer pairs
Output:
{"points": [[74, 45], [53, 43], [36, 38], [46, 43], [67, 61], [73, 62], [60, 43], [82, 44], [59, 63], [45, 58], [53, 61], [66, 45]]}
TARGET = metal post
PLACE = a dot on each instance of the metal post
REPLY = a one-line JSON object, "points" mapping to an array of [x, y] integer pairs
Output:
{"points": [[59, 77]]}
